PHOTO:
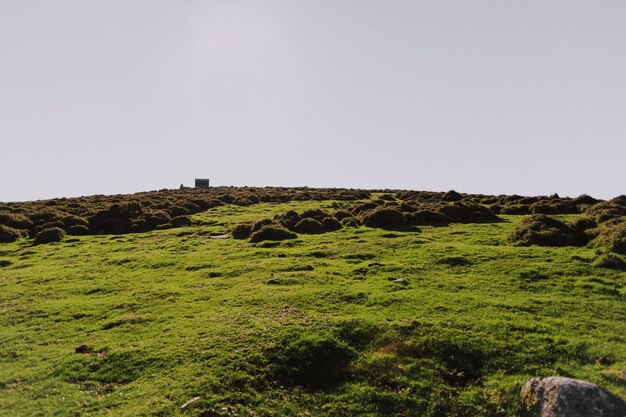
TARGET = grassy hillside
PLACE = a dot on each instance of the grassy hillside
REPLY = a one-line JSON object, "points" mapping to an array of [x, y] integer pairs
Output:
{"points": [[418, 320]]}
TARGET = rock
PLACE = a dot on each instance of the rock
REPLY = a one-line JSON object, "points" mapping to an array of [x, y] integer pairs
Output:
{"points": [[400, 281], [566, 397]]}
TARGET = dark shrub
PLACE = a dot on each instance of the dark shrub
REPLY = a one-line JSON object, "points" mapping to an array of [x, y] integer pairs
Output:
{"points": [[243, 201], [387, 197], [259, 224], [180, 221], [289, 219], [619, 200], [46, 215], [155, 218], [72, 220], [384, 218], [50, 225], [176, 211], [586, 229], [15, 220], [316, 214], [309, 226], [226, 198], [543, 230], [584, 223], [78, 230], [272, 232], [350, 222], [242, 231], [515, 209], [363, 207], [116, 219], [203, 204], [140, 225], [427, 218], [9, 234], [342, 214], [615, 238], [496, 208], [254, 199], [408, 207], [311, 360], [452, 196], [585, 199], [467, 213], [489, 200], [605, 211], [554, 207], [192, 207], [331, 224], [54, 234]]}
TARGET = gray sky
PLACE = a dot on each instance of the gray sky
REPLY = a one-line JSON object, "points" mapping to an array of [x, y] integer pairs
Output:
{"points": [[100, 97]]}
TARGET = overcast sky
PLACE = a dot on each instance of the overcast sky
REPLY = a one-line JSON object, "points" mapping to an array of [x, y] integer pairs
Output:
{"points": [[102, 97]]}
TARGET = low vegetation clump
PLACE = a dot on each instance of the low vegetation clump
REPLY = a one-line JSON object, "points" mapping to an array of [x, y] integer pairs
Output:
{"points": [[15, 220], [309, 225], [242, 231], [543, 230], [9, 234], [617, 239], [180, 221], [52, 234], [384, 218], [271, 232]]}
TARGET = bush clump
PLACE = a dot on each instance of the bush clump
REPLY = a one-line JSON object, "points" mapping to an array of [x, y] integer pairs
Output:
{"points": [[154, 218], [272, 232], [452, 196], [117, 219], [9, 234], [289, 219], [555, 206], [427, 218], [15, 220], [53, 234], [615, 238], [461, 212], [78, 230], [259, 224], [342, 214], [330, 224], [517, 209], [384, 218], [180, 221], [350, 222], [543, 230], [242, 231], [309, 226]]}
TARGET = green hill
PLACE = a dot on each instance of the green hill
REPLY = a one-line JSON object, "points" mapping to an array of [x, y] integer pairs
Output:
{"points": [[306, 302]]}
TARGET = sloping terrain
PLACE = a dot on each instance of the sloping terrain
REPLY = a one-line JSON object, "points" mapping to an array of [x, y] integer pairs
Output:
{"points": [[347, 302]]}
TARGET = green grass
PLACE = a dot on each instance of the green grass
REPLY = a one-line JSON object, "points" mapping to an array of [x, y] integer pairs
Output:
{"points": [[311, 326]]}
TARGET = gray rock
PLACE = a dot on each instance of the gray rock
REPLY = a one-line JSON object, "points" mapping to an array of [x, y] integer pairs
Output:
{"points": [[565, 397]]}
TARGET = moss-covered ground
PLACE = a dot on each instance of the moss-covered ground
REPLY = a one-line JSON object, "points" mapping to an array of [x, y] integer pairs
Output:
{"points": [[140, 324]]}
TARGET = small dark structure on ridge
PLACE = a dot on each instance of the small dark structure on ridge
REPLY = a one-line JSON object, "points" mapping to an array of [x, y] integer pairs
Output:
{"points": [[202, 183]]}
